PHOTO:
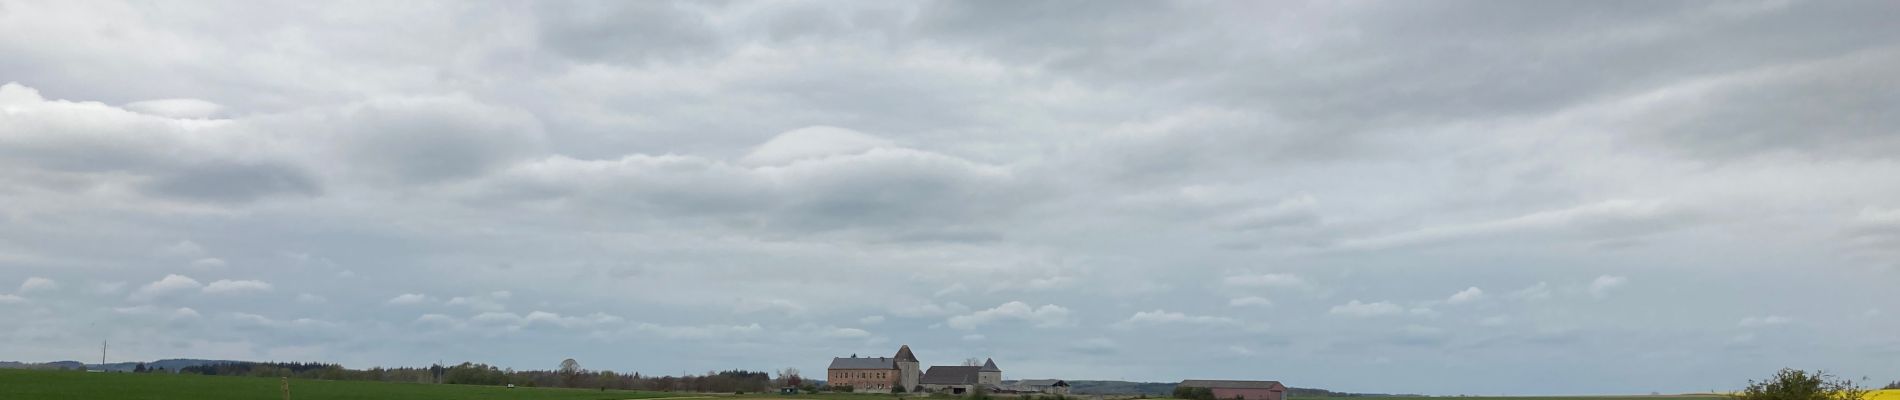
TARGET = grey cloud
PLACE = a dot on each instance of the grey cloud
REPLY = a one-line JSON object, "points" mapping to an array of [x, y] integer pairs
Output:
{"points": [[1031, 174], [870, 188], [1835, 106], [236, 182], [622, 32], [421, 140]]}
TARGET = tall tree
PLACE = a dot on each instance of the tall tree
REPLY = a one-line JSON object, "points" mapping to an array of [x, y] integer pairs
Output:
{"points": [[570, 373], [1794, 384]]}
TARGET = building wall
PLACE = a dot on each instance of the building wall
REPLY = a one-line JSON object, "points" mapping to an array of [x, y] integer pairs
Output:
{"points": [[949, 389], [907, 375], [989, 378], [1249, 394], [864, 380]]}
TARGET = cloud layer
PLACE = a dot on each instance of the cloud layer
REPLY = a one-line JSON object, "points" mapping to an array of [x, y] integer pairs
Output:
{"points": [[1380, 198]]}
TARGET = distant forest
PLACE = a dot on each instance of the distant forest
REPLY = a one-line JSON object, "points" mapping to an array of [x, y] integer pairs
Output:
{"points": [[483, 374]]}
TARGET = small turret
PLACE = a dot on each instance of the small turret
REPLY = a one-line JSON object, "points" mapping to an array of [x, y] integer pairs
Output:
{"points": [[903, 354]]}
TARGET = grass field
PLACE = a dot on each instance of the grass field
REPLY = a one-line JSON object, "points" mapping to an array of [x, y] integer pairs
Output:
{"points": [[63, 385]]}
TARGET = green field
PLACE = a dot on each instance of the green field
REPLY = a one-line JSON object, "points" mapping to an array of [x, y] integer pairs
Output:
{"points": [[64, 385], [1642, 397]]}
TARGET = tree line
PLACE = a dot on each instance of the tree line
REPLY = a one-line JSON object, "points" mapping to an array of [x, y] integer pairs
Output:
{"points": [[570, 375]]}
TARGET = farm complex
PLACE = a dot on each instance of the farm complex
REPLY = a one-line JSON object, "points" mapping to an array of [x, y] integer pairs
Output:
{"points": [[903, 373]]}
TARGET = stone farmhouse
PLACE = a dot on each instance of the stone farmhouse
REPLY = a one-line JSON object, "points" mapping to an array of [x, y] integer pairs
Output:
{"points": [[875, 374], [902, 371], [963, 379]]}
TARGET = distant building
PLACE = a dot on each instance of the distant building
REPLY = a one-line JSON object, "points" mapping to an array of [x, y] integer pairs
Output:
{"points": [[950, 379], [1245, 390], [1044, 386], [875, 374], [959, 380]]}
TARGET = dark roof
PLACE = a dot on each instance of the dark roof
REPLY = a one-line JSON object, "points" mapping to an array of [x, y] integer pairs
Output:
{"points": [[1042, 382], [1233, 384], [948, 375], [989, 365], [863, 363], [903, 354]]}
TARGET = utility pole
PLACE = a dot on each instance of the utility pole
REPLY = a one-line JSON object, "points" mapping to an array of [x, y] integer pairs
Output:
{"points": [[102, 354]]}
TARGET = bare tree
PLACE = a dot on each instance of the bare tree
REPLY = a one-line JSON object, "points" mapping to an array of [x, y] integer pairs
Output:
{"points": [[789, 377], [972, 362], [570, 372]]}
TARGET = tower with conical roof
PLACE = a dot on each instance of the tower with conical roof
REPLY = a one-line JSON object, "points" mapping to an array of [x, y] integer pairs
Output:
{"points": [[989, 374], [907, 369]]}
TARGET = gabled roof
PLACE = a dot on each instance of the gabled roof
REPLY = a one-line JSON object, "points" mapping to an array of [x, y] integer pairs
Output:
{"points": [[989, 365], [949, 375], [863, 363], [903, 354], [1212, 384]]}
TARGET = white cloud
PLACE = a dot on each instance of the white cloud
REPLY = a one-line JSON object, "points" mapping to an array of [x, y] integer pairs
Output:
{"points": [[1602, 286], [1357, 309], [923, 309], [811, 143], [410, 299], [1602, 216], [1757, 321], [871, 320], [209, 262], [847, 333], [11, 299], [698, 332], [168, 285], [954, 288], [1168, 318], [183, 249], [1044, 316], [38, 284], [226, 286], [185, 313], [1539, 291], [176, 108], [307, 298], [1249, 301], [1468, 295], [492, 302]]}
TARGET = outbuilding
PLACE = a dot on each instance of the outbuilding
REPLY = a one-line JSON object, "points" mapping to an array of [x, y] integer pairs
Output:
{"points": [[1244, 390]]}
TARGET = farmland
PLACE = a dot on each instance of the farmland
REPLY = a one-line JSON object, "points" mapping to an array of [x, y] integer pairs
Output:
{"points": [[63, 385]]}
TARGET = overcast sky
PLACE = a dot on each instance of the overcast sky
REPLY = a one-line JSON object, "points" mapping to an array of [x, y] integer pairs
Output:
{"points": [[1430, 197]]}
